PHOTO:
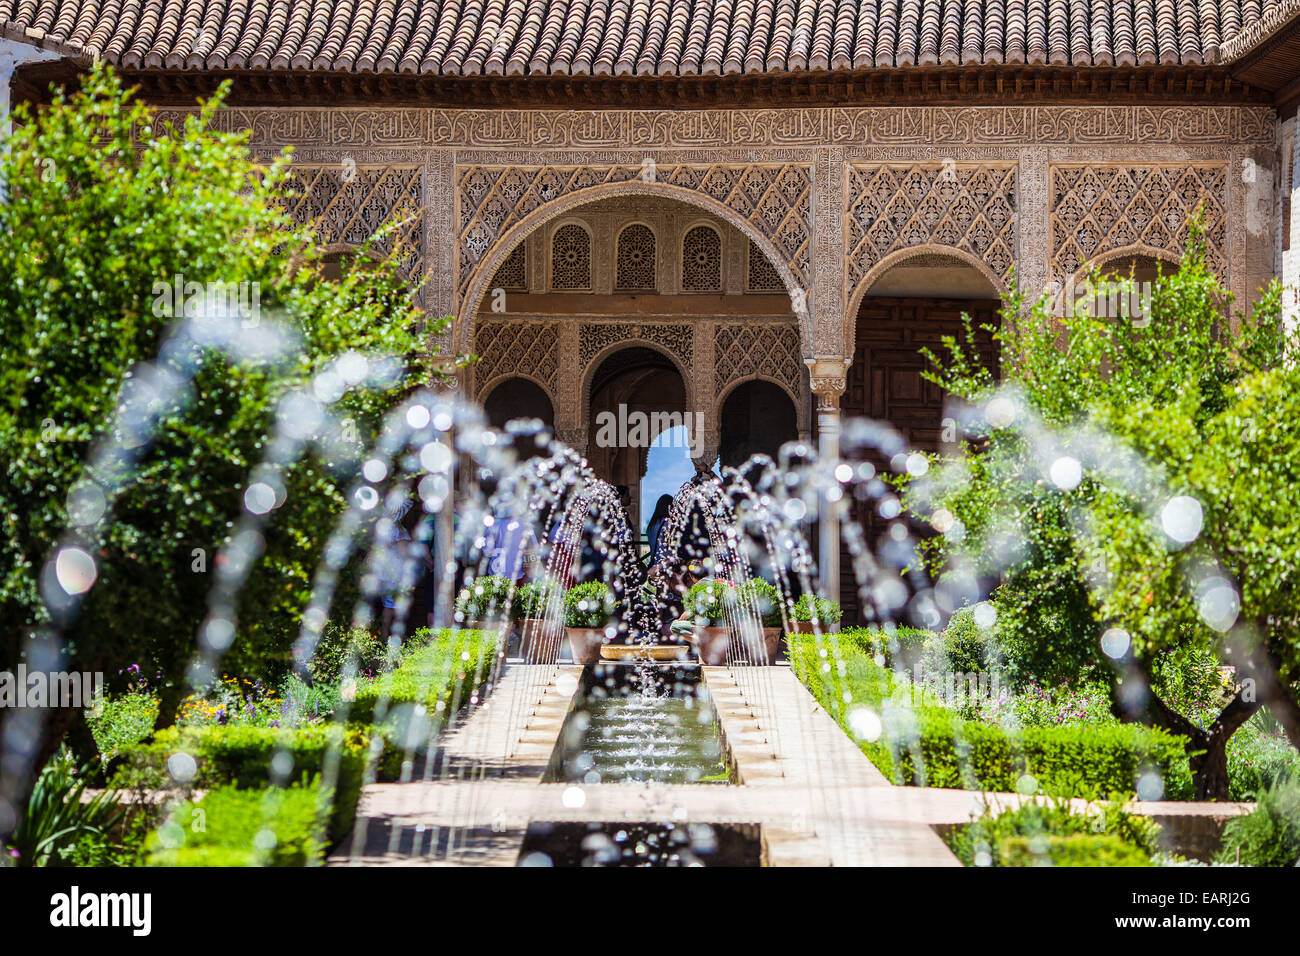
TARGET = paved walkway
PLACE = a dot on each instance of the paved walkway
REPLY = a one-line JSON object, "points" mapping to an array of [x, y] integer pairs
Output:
{"points": [[818, 800]]}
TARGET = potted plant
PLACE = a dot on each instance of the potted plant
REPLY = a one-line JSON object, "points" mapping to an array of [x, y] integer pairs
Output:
{"points": [[813, 613], [482, 605], [539, 634], [763, 598], [588, 609], [712, 602]]}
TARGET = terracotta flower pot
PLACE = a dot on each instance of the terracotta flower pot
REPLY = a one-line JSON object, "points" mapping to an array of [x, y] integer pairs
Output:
{"points": [[771, 642], [712, 644], [585, 643]]}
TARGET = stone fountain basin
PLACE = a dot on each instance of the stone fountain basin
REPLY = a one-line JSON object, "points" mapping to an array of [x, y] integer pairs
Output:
{"points": [[653, 652]]}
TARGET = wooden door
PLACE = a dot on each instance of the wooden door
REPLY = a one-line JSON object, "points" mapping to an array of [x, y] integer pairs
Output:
{"points": [[885, 382]]}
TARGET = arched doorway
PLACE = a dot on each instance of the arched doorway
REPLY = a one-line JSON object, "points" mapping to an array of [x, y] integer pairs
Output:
{"points": [[758, 417], [910, 306], [517, 398], [637, 396]]}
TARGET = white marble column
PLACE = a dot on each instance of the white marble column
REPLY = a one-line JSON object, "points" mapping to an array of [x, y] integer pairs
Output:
{"points": [[826, 376]]}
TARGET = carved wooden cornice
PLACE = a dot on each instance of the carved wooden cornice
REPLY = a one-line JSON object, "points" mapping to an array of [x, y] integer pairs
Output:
{"points": [[939, 85]]}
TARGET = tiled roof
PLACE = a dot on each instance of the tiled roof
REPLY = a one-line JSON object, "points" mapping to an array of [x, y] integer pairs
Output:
{"points": [[643, 37]]}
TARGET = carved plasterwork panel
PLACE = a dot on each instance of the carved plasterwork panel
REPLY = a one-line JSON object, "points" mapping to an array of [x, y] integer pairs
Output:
{"points": [[349, 204], [675, 338], [516, 347], [743, 350], [1099, 208], [773, 197], [892, 207], [369, 128], [611, 146]]}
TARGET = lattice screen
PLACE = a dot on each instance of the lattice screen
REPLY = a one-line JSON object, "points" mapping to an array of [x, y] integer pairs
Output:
{"points": [[760, 274], [571, 258], [774, 197], [634, 260], [513, 273], [701, 260]]}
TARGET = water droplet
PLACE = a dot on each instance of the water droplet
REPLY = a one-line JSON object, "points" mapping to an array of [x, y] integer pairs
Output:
{"points": [[417, 416], [1066, 473], [1115, 642], [985, 614], [86, 503], [1182, 519], [865, 724], [259, 498], [75, 570], [1000, 412], [182, 767]]}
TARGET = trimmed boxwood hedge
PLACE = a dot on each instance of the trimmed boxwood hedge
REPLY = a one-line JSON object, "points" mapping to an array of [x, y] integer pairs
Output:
{"points": [[241, 755], [441, 674], [1074, 849], [932, 746], [902, 650], [268, 827]]}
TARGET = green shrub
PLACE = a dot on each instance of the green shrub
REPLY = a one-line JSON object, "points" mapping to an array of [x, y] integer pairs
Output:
{"points": [[1051, 832], [533, 599], [443, 672], [967, 647], [485, 599], [212, 856], [1270, 834], [590, 604], [763, 597], [712, 602], [338, 645], [1259, 756], [932, 746], [230, 826], [1086, 701], [104, 200], [825, 611], [121, 720], [903, 648], [241, 756]]}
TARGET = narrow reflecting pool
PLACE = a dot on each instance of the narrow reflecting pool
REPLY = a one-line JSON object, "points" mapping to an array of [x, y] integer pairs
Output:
{"points": [[641, 723]]}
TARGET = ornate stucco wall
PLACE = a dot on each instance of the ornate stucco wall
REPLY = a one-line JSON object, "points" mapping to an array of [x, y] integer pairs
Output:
{"points": [[833, 196]]}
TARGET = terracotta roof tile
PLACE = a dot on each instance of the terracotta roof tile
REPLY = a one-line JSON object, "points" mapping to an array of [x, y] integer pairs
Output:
{"points": [[643, 37]]}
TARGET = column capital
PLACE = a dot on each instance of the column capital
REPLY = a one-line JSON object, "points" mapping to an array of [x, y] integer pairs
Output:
{"points": [[826, 378], [575, 438]]}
